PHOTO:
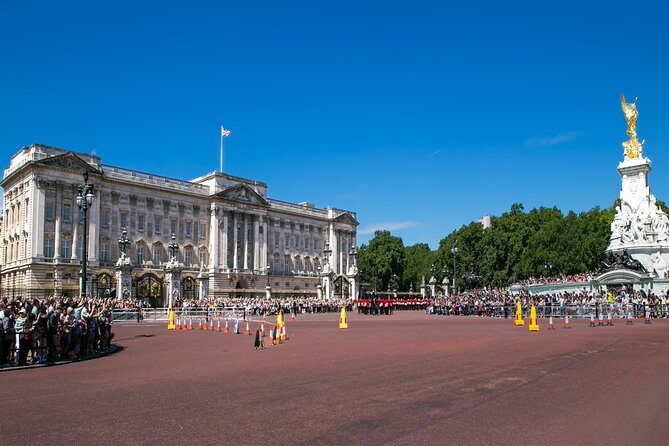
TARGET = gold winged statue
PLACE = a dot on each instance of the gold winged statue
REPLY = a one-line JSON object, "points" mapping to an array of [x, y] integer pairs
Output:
{"points": [[632, 147]]}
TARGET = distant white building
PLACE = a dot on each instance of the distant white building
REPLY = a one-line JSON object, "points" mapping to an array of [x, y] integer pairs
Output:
{"points": [[228, 231], [486, 221]]}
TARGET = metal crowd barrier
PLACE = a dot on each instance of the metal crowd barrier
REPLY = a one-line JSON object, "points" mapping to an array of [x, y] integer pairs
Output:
{"points": [[617, 310], [161, 314]]}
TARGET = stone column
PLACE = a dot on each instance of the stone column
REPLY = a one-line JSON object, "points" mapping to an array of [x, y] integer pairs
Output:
{"points": [[75, 230], [256, 246], [328, 287], [213, 241], [203, 279], [245, 238], [354, 289], [37, 221], [264, 243], [123, 278], [94, 230], [235, 261], [225, 241], [173, 277], [333, 247], [57, 237], [341, 247]]}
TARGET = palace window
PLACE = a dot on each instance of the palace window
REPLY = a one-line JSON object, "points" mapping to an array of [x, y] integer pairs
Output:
{"points": [[67, 212], [66, 248], [188, 257], [49, 210], [140, 222], [173, 226], [276, 239], [203, 230], [104, 253], [189, 228], [203, 258], [157, 250], [157, 225], [104, 218], [124, 220], [48, 247], [140, 255]]}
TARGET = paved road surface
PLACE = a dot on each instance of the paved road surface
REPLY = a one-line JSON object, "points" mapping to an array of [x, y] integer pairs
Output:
{"points": [[406, 379]]}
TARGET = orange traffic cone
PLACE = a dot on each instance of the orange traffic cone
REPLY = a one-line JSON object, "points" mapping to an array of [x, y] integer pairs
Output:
{"points": [[227, 329], [284, 337], [270, 339], [550, 322], [178, 327], [190, 323], [292, 315], [218, 325], [199, 324], [211, 324], [248, 329], [183, 324], [647, 317], [262, 329], [629, 318], [566, 321], [277, 336]]}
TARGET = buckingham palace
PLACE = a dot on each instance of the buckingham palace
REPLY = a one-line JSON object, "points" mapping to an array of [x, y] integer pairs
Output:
{"points": [[218, 234]]}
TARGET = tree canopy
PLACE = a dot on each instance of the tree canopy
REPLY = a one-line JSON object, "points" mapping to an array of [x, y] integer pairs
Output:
{"points": [[517, 245]]}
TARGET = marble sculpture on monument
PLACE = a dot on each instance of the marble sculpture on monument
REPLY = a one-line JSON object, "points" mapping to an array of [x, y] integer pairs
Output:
{"points": [[640, 227]]}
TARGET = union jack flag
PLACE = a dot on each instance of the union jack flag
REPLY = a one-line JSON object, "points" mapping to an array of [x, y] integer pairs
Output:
{"points": [[224, 132]]}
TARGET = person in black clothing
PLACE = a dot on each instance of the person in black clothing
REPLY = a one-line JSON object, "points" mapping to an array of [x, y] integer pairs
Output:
{"points": [[8, 335], [52, 329]]}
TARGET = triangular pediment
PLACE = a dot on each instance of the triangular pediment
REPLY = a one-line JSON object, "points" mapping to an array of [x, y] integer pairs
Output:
{"points": [[70, 161], [242, 193], [346, 217]]}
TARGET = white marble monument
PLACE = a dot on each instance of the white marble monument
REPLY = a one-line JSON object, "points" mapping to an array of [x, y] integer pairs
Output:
{"points": [[640, 226]]}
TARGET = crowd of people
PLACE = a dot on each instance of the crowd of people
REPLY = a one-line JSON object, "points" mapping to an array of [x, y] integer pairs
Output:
{"points": [[52, 329], [502, 303], [258, 306], [564, 278]]}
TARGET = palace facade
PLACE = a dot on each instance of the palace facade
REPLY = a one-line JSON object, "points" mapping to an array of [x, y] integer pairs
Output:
{"points": [[232, 238]]}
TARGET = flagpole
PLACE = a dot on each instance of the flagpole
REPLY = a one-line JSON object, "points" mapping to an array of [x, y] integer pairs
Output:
{"points": [[221, 149]]}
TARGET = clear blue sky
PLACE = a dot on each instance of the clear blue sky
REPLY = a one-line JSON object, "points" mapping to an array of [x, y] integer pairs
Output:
{"points": [[420, 116]]}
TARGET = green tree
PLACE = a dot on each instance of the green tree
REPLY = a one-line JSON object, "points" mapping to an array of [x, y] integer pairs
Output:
{"points": [[419, 259], [383, 257]]}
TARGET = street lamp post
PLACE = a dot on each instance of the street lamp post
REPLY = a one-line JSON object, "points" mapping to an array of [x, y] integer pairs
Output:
{"points": [[454, 251], [268, 268], [84, 201]]}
